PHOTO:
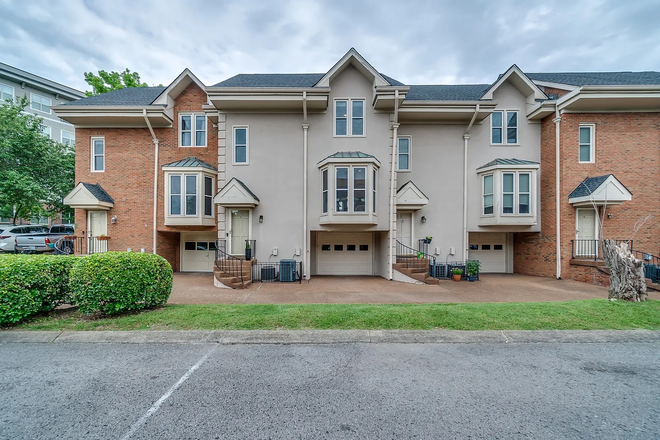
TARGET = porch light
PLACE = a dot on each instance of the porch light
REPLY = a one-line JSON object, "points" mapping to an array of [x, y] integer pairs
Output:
{"points": [[261, 219], [423, 219]]}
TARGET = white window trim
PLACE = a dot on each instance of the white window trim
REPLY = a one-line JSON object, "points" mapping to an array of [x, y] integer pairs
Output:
{"points": [[326, 190], [193, 130], [50, 111], [516, 193], [47, 131], [184, 194], [374, 202], [398, 168], [592, 143], [73, 137], [13, 93], [247, 145], [93, 162], [349, 118], [504, 128], [365, 189], [483, 194], [369, 190]]}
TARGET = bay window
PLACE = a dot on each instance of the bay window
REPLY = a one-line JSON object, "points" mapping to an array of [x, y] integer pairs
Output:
{"points": [[488, 195], [509, 194], [189, 194], [324, 191]]}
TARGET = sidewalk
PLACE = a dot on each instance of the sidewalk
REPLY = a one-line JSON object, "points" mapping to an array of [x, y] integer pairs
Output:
{"points": [[229, 337]]}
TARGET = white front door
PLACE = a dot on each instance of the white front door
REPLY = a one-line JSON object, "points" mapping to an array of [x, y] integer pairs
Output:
{"points": [[345, 253], [240, 230], [585, 233], [198, 254], [98, 225], [404, 228]]}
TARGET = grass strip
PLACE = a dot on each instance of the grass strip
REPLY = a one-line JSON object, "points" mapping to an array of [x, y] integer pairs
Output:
{"points": [[595, 314]]}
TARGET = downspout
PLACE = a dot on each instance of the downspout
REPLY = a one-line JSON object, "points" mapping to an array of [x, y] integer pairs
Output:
{"points": [[466, 137], [557, 121], [153, 136], [395, 128], [305, 127]]}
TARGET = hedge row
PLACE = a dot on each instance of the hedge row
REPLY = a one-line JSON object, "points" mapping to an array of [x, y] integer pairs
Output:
{"points": [[107, 283]]}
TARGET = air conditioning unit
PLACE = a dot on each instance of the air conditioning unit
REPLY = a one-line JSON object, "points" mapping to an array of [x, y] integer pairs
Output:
{"points": [[438, 270], [288, 270]]}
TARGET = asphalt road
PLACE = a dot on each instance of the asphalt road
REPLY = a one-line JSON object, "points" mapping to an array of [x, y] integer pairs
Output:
{"points": [[343, 391]]}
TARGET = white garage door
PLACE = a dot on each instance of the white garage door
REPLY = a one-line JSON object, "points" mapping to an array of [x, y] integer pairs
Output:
{"points": [[345, 253], [198, 251], [490, 249]]}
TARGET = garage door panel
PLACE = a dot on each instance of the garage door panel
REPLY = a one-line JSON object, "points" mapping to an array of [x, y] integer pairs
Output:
{"points": [[198, 252], [345, 253], [490, 250]]}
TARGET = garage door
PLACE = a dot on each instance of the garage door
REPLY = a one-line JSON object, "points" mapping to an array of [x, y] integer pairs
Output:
{"points": [[345, 253], [490, 250], [198, 251]]}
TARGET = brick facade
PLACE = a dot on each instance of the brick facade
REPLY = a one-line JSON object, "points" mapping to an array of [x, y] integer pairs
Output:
{"points": [[626, 145], [128, 178]]}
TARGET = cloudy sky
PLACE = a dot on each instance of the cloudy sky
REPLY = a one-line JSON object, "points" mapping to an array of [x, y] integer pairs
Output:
{"points": [[416, 42]]}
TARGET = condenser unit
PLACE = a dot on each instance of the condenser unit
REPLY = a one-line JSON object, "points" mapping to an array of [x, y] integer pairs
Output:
{"points": [[288, 271]]}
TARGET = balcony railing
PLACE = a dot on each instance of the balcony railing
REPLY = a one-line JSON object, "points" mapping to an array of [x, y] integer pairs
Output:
{"points": [[591, 249], [72, 244]]}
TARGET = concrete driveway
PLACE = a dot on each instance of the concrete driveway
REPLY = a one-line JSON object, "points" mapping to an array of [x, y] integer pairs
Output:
{"points": [[197, 288]]}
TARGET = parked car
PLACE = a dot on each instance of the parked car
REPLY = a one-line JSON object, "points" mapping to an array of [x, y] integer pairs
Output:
{"points": [[44, 242], [8, 234]]}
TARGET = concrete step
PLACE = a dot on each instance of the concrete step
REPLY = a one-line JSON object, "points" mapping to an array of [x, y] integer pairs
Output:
{"points": [[431, 280]]}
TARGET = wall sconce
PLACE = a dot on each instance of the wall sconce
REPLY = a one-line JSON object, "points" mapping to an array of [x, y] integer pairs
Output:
{"points": [[113, 219], [261, 219], [423, 219], [610, 215]]}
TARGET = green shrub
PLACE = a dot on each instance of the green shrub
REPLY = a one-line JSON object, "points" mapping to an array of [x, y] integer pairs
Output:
{"points": [[31, 284], [117, 282]]}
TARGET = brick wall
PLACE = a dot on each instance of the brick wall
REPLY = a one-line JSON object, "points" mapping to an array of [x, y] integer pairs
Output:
{"points": [[552, 91], [626, 145], [128, 178]]}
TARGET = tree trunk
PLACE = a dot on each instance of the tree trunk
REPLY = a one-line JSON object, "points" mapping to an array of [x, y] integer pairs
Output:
{"points": [[627, 279]]}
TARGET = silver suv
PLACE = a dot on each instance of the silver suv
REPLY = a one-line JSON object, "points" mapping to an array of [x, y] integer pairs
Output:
{"points": [[8, 235]]}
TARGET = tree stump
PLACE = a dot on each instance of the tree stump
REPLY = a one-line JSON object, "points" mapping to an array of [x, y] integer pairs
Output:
{"points": [[627, 281]]}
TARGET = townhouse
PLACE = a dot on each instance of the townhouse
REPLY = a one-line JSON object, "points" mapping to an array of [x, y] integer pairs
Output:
{"points": [[349, 170]]}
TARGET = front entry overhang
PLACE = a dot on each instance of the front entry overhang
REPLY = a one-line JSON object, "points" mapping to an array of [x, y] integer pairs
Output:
{"points": [[410, 198], [599, 191], [236, 194], [89, 196]]}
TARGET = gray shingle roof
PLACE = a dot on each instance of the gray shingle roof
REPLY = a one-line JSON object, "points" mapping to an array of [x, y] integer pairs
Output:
{"points": [[240, 182], [599, 78], [98, 192], [128, 96], [190, 162], [280, 80], [350, 155], [508, 162], [463, 92], [588, 186]]}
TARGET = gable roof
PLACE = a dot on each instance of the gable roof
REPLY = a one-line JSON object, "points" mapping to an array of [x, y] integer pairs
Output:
{"points": [[600, 190], [352, 57], [236, 194], [598, 78], [128, 96], [589, 185], [505, 162], [190, 162], [98, 192], [520, 81], [177, 86], [462, 92]]}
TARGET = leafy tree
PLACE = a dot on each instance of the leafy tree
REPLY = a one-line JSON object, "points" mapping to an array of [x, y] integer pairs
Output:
{"points": [[35, 171], [108, 81]]}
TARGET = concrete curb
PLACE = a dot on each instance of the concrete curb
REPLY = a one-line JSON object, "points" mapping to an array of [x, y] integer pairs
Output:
{"points": [[228, 337]]}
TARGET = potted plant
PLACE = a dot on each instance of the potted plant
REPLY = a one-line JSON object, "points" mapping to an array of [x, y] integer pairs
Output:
{"points": [[102, 237], [457, 273], [428, 240], [472, 269], [248, 251]]}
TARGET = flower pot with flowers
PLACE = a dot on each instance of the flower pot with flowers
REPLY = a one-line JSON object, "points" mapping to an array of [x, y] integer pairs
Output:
{"points": [[457, 273]]}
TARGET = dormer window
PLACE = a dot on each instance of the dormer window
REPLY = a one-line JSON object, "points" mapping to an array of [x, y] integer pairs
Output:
{"points": [[349, 117]]}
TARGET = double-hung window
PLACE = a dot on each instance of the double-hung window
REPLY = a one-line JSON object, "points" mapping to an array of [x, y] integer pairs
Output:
{"points": [[98, 154], [349, 117], [586, 143], [488, 195], [208, 196], [403, 154], [6, 93], [241, 152], [341, 188], [183, 194], [41, 103], [175, 194], [373, 186], [192, 129], [324, 191], [504, 127], [359, 189], [516, 192], [191, 194], [68, 138]]}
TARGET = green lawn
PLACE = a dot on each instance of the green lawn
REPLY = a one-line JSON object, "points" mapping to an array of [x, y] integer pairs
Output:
{"points": [[570, 315]]}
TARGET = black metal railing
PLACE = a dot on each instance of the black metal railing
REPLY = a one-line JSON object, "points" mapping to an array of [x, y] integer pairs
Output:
{"points": [[591, 249], [226, 263], [282, 271], [69, 245], [651, 265], [413, 258]]}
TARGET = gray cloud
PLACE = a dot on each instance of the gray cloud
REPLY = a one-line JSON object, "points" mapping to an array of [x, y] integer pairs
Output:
{"points": [[417, 42]]}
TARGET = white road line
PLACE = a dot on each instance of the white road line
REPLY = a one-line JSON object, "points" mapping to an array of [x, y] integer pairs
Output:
{"points": [[166, 396]]}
